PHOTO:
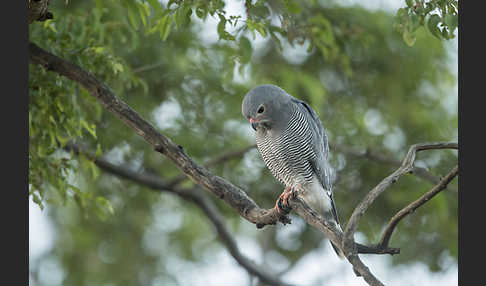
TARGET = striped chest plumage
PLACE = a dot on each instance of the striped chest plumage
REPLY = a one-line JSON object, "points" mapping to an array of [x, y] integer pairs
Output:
{"points": [[287, 154]]}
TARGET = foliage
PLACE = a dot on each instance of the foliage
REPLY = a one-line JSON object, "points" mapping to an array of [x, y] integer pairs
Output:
{"points": [[369, 88], [60, 111], [438, 17]]}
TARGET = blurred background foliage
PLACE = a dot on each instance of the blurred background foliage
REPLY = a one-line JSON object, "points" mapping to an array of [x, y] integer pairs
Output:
{"points": [[185, 66]]}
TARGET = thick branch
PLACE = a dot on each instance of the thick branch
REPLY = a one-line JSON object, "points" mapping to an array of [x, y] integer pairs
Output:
{"points": [[223, 189], [221, 158], [414, 205], [196, 197], [406, 167], [336, 236]]}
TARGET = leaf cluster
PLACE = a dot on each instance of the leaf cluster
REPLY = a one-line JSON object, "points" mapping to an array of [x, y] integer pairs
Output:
{"points": [[438, 17]]}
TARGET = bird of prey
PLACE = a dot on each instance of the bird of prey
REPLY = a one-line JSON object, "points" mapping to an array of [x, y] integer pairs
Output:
{"points": [[293, 144]]}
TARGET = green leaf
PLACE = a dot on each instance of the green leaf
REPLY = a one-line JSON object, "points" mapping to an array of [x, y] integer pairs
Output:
{"points": [[40, 151], [171, 2], [74, 188], [221, 26], [201, 13], [50, 25], [154, 28], [144, 11], [182, 17], [106, 204], [402, 12], [117, 67], [132, 10], [445, 33], [245, 49], [37, 199], [409, 38], [413, 22], [273, 30], [432, 25], [52, 135], [261, 29], [292, 7], [51, 119], [104, 208], [157, 6], [165, 27], [98, 151], [59, 104], [95, 171], [260, 11], [91, 129], [409, 3], [62, 140], [451, 20]]}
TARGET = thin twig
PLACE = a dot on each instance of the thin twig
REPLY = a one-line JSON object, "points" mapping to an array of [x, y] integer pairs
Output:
{"points": [[380, 158], [414, 205], [148, 67], [406, 167]]}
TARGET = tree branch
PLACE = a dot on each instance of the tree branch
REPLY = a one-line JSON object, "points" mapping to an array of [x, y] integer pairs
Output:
{"points": [[414, 205], [406, 167], [336, 236], [192, 195], [231, 194], [355, 152], [215, 161], [379, 157], [346, 240]]}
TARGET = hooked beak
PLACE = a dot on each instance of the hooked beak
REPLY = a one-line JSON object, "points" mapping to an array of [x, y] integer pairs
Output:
{"points": [[254, 123]]}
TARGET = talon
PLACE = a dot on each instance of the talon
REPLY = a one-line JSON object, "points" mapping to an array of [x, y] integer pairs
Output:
{"points": [[282, 209], [282, 204]]}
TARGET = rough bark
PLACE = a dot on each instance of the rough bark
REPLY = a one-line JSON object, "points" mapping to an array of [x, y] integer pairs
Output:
{"points": [[37, 11]]}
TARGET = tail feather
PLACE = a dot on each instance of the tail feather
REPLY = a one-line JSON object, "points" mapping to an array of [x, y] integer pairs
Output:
{"points": [[336, 249], [321, 200], [336, 219]]}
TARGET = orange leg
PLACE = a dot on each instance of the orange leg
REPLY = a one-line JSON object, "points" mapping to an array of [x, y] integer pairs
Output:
{"points": [[283, 201]]}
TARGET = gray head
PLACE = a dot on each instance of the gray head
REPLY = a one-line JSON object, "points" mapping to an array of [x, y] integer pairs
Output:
{"points": [[265, 106]]}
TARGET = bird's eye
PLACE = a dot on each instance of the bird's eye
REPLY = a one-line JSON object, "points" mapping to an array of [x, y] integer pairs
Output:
{"points": [[261, 109]]}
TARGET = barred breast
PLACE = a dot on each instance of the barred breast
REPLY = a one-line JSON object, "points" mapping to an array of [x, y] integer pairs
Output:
{"points": [[287, 153]]}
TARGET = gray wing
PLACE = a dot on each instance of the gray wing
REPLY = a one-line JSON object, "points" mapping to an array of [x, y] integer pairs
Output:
{"points": [[320, 145]]}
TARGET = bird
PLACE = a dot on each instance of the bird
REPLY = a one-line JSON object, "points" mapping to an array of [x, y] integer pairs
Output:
{"points": [[294, 147]]}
